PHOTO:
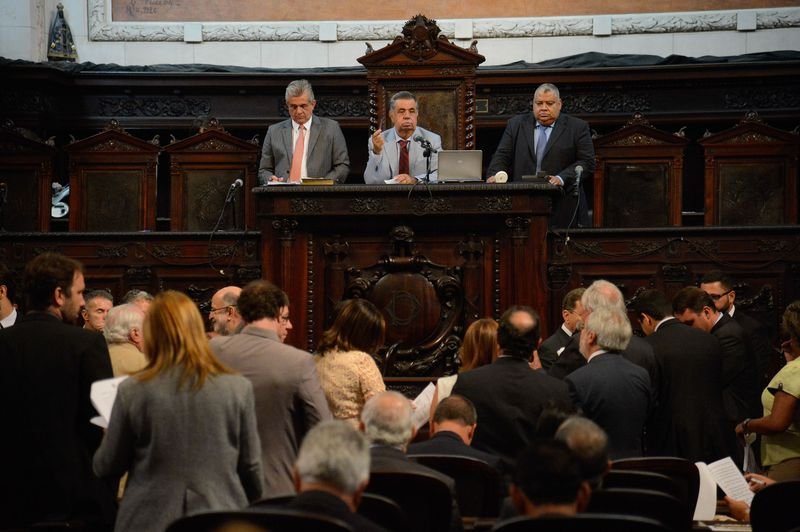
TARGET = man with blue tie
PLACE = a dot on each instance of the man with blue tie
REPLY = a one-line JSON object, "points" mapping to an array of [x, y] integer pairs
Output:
{"points": [[398, 154], [547, 142]]}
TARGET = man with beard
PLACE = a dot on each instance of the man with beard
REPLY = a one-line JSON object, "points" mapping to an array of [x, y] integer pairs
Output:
{"points": [[49, 365]]}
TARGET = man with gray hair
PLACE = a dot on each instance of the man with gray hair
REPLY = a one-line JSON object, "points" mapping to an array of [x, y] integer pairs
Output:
{"points": [[304, 145], [94, 311], [224, 312], [610, 390], [589, 442], [386, 419], [123, 333], [395, 155], [331, 473], [140, 298]]}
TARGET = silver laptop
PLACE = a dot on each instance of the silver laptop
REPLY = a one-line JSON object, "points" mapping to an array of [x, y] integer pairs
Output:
{"points": [[460, 166]]}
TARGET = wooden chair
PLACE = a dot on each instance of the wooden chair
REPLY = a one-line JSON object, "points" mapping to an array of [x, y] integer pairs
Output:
{"points": [[479, 486], [581, 523], [683, 472], [425, 499], [272, 519], [773, 510], [664, 508]]}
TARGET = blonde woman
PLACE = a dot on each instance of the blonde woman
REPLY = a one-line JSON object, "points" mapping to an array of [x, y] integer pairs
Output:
{"points": [[184, 427]]}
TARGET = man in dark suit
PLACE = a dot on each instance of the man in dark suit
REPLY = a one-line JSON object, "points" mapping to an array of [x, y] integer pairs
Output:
{"points": [[508, 395], [332, 472], [387, 421], [571, 311], [8, 307], [721, 289], [49, 365], [452, 429], [567, 146], [689, 421], [610, 390], [319, 142], [289, 397], [740, 392]]}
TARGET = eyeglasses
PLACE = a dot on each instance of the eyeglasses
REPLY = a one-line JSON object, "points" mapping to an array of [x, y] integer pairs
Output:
{"points": [[715, 297], [283, 319], [215, 310]]}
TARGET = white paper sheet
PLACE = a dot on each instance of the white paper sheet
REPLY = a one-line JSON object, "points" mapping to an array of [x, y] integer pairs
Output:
{"points": [[422, 406], [731, 480], [102, 395]]}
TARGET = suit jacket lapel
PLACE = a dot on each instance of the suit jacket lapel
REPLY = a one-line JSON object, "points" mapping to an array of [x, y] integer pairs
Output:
{"points": [[558, 129], [316, 126], [528, 127], [391, 153], [286, 136]]}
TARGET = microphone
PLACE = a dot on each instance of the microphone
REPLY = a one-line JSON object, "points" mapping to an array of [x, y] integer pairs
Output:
{"points": [[237, 184], [425, 143], [577, 190]]}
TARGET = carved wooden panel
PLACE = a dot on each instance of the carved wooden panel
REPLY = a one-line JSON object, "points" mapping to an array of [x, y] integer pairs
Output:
{"points": [[635, 194], [205, 195], [112, 199], [751, 193]]}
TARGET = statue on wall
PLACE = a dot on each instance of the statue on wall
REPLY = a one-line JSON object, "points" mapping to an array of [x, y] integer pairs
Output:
{"points": [[61, 45]]}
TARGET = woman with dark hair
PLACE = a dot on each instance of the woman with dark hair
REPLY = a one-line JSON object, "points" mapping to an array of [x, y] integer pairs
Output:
{"points": [[347, 371], [780, 426], [478, 349], [184, 427]]}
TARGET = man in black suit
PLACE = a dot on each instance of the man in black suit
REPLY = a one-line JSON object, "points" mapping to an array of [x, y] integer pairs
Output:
{"points": [[689, 421], [508, 395], [452, 430], [49, 365], [567, 146], [721, 289], [571, 311], [332, 472], [386, 420], [740, 392], [610, 390], [8, 307]]}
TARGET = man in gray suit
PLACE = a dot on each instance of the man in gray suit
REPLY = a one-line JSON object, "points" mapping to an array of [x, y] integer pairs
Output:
{"points": [[289, 399], [318, 141], [396, 154]]}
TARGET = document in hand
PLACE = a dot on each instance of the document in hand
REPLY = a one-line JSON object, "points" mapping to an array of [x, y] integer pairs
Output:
{"points": [[725, 473], [102, 395]]}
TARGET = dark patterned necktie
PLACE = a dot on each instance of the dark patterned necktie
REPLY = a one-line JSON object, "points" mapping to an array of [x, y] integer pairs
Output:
{"points": [[403, 169]]}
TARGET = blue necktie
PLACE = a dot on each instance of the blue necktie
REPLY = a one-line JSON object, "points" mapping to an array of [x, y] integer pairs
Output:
{"points": [[540, 145]]}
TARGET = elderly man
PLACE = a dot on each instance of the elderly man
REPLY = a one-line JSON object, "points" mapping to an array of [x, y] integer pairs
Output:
{"points": [[589, 442], [386, 419], [140, 298], [48, 368], [547, 142], [331, 473], [305, 145], [98, 303], [224, 312], [610, 390], [123, 332], [396, 155], [288, 395]]}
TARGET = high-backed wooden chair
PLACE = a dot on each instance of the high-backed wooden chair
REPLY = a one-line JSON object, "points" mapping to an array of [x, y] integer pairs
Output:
{"points": [[683, 472], [425, 498]]}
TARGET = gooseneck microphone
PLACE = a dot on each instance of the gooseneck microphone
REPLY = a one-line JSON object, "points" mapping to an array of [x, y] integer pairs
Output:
{"points": [[425, 143], [237, 184], [577, 190]]}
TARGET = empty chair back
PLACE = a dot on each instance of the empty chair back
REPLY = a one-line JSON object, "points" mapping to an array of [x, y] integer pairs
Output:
{"points": [[271, 519], [581, 523], [643, 480], [683, 472], [425, 498], [664, 508], [479, 486], [773, 510], [384, 511]]}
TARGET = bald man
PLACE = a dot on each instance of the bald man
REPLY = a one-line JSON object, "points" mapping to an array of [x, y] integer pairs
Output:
{"points": [[224, 311]]}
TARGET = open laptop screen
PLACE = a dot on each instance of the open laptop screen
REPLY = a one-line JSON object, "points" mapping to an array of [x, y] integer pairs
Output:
{"points": [[460, 165]]}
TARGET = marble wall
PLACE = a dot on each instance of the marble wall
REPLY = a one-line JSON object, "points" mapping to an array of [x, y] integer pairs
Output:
{"points": [[24, 26]]}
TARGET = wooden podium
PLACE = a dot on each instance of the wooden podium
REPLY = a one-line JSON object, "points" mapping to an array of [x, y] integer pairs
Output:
{"points": [[433, 258]]}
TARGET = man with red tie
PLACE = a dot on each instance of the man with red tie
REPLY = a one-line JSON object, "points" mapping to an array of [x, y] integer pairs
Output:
{"points": [[397, 155], [305, 145]]}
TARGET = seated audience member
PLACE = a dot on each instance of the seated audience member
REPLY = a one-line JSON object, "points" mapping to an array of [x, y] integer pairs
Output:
{"points": [[610, 390], [508, 395], [571, 310], [396, 153], [347, 372], [331, 473], [386, 420], [547, 481], [589, 443], [478, 349], [184, 427], [8, 307], [779, 427], [740, 510], [123, 333], [98, 303], [224, 312], [452, 429], [140, 298]]}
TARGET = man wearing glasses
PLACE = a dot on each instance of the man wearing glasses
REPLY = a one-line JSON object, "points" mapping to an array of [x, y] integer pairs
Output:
{"points": [[224, 313]]}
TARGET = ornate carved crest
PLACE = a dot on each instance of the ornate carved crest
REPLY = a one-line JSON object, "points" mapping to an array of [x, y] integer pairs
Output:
{"points": [[420, 36]]}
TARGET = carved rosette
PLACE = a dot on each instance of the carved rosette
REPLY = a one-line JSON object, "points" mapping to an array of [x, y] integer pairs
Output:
{"points": [[285, 228], [305, 206], [163, 251], [420, 38], [494, 204], [111, 252], [367, 205], [430, 205]]}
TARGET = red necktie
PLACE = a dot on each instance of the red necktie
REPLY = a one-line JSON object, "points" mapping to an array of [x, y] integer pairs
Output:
{"points": [[297, 157], [403, 157]]}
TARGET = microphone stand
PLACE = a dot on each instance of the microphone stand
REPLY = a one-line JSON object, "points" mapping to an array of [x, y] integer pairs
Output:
{"points": [[428, 151]]}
